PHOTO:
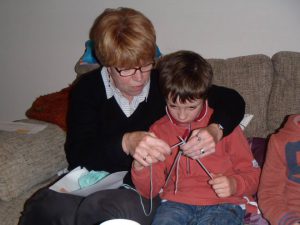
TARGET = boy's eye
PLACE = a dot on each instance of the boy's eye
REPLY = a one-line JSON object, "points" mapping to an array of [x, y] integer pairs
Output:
{"points": [[192, 108]]}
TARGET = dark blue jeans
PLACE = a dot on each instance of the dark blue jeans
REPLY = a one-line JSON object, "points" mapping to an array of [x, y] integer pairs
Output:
{"points": [[173, 213]]}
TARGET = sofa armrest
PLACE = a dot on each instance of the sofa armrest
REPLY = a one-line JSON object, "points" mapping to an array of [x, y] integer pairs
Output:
{"points": [[29, 159]]}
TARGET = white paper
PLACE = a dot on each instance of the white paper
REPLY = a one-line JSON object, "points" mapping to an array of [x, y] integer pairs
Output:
{"points": [[69, 183], [24, 128]]}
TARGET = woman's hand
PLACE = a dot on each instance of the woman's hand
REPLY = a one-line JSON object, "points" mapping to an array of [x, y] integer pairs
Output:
{"points": [[223, 186], [202, 142], [145, 148]]}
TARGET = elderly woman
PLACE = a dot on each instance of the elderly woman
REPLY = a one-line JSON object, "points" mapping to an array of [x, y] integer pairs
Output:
{"points": [[111, 109]]}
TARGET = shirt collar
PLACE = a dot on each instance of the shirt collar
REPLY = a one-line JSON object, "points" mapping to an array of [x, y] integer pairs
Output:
{"points": [[105, 78]]}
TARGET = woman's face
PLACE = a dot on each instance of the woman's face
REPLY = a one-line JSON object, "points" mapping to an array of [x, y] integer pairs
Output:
{"points": [[129, 86]]}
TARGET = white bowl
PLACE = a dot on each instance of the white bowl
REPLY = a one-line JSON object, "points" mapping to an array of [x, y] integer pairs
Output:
{"points": [[120, 222]]}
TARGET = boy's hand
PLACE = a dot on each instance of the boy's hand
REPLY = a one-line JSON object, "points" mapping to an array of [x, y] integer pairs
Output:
{"points": [[223, 186]]}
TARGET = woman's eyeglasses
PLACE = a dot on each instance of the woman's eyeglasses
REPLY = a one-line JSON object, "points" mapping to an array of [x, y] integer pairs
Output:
{"points": [[132, 71]]}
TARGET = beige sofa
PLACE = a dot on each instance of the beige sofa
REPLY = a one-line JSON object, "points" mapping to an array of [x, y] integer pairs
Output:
{"points": [[270, 87]]}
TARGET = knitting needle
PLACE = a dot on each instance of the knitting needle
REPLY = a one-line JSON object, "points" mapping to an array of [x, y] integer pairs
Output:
{"points": [[175, 161], [200, 163], [204, 168], [173, 166], [180, 143]]}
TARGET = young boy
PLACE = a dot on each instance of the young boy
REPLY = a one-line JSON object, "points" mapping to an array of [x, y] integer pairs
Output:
{"points": [[214, 190]]}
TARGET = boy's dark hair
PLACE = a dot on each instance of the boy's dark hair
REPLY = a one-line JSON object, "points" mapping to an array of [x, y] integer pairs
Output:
{"points": [[184, 75]]}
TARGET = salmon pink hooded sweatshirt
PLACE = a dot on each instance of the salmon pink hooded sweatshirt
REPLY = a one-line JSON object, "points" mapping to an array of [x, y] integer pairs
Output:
{"points": [[279, 190]]}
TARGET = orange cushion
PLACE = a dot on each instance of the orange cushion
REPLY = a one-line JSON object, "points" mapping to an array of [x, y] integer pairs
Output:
{"points": [[51, 108]]}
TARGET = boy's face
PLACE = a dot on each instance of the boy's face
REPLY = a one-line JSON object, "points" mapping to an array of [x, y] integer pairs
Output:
{"points": [[185, 113]]}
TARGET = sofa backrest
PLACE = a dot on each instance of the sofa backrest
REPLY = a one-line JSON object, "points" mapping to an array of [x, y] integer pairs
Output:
{"points": [[252, 77], [270, 87], [285, 93]]}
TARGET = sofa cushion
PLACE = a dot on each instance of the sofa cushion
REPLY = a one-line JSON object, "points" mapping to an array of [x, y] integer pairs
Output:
{"points": [[10, 211], [51, 108], [252, 77], [29, 159], [285, 93]]}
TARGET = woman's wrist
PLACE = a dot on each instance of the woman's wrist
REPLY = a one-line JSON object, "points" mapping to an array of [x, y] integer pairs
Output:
{"points": [[137, 166], [124, 143], [216, 130], [131, 140]]}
